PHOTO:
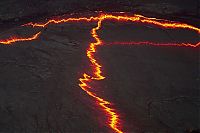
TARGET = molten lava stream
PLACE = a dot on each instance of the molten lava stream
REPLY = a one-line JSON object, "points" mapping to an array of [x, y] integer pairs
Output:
{"points": [[134, 18], [154, 44], [19, 39], [113, 117]]}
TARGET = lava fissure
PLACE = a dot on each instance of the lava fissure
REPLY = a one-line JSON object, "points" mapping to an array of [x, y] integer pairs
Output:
{"points": [[112, 115], [134, 18], [19, 39], [113, 119], [154, 44], [54, 21]]}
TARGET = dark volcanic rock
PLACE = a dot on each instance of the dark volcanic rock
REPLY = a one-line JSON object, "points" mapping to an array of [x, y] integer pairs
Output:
{"points": [[31, 9]]}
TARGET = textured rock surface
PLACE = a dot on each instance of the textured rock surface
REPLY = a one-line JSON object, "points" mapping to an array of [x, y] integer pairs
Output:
{"points": [[155, 89], [15, 9]]}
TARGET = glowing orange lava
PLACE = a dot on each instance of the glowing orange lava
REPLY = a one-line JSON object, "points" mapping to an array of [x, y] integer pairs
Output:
{"points": [[134, 18], [62, 21], [113, 116], [16, 39], [155, 44]]}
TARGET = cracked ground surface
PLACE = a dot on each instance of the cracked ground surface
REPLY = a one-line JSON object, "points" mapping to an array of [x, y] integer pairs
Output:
{"points": [[155, 89]]}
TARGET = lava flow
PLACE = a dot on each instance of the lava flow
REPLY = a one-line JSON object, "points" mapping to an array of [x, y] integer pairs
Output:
{"points": [[134, 18], [112, 115], [154, 44], [19, 39], [62, 21], [113, 119]]}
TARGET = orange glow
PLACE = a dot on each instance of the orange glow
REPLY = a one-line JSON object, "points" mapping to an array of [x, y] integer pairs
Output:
{"points": [[15, 39], [134, 18], [113, 119], [62, 21], [165, 24], [111, 114], [155, 44]]}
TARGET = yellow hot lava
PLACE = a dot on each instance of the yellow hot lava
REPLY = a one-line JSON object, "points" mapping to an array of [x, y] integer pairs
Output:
{"points": [[113, 116]]}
